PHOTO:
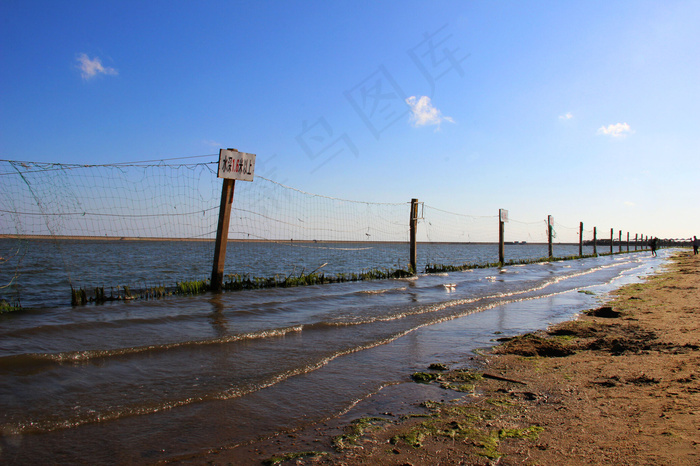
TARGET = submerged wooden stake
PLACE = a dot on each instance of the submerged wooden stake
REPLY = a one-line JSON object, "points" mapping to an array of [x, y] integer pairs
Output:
{"points": [[502, 215], [413, 224], [628, 241], [217, 272], [619, 242], [595, 246], [612, 240], [550, 231]]}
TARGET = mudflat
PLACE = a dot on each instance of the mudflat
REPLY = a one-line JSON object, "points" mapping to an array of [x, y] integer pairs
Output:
{"points": [[620, 385]]}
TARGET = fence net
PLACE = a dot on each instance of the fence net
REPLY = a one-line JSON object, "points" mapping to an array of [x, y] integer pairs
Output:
{"points": [[154, 223], [140, 201]]}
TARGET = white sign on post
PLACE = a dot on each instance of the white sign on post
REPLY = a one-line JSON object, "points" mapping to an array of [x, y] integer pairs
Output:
{"points": [[236, 165], [503, 215]]}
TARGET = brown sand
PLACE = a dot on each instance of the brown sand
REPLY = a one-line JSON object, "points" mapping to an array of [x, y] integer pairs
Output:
{"points": [[619, 386]]}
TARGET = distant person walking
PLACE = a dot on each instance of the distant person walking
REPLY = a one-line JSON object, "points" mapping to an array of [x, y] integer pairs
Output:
{"points": [[696, 244], [653, 243]]}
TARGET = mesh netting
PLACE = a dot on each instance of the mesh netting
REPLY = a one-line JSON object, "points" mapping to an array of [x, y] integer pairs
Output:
{"points": [[52, 208], [155, 223]]}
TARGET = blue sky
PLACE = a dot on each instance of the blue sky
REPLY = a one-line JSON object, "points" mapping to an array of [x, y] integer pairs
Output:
{"points": [[587, 111]]}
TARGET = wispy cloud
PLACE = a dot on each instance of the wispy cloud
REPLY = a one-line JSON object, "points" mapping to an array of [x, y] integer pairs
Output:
{"points": [[629, 203], [208, 142], [91, 68], [424, 114], [618, 130], [566, 116]]}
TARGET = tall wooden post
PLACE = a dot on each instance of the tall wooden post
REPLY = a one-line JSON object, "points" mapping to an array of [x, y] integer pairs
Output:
{"points": [[612, 240], [217, 271], [635, 241], [233, 165], [413, 225], [502, 214], [550, 221], [580, 239], [628, 241], [619, 242], [595, 242]]}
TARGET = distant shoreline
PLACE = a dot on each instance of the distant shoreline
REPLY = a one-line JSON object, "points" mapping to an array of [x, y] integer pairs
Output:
{"points": [[134, 238]]}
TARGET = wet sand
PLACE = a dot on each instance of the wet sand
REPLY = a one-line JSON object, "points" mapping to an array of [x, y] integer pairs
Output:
{"points": [[619, 385]]}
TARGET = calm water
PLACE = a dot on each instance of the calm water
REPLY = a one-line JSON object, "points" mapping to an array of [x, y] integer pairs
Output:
{"points": [[141, 381], [41, 272]]}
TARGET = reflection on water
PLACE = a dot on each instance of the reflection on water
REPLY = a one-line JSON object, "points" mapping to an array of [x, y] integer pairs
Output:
{"points": [[218, 318]]}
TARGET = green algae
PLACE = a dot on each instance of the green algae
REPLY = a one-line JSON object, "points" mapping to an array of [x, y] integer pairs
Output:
{"points": [[292, 456], [357, 429]]}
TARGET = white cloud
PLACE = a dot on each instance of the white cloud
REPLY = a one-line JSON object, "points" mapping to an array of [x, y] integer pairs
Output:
{"points": [[618, 130], [423, 113], [630, 203], [566, 116], [91, 68], [208, 142]]}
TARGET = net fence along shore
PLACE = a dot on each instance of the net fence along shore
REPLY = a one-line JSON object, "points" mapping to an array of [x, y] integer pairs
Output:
{"points": [[178, 201]]}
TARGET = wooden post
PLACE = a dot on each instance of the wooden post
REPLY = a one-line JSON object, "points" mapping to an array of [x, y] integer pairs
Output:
{"points": [[628, 241], [217, 272], [580, 239], [595, 241], [233, 165], [612, 239], [619, 242], [549, 234], [413, 225], [501, 238], [635, 241]]}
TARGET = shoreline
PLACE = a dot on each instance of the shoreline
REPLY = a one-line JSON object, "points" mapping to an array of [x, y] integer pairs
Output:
{"points": [[619, 385]]}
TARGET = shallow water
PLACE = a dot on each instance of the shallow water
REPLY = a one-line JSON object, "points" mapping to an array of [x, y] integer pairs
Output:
{"points": [[140, 381], [40, 273]]}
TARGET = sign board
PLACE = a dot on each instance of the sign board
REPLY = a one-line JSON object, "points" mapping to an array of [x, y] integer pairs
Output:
{"points": [[236, 165], [503, 213], [550, 220]]}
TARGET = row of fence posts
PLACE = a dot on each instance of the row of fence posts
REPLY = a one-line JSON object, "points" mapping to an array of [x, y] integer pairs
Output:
{"points": [[637, 238], [225, 212], [503, 219]]}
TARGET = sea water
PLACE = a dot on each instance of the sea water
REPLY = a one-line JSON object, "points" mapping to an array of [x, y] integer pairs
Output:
{"points": [[41, 272], [142, 381]]}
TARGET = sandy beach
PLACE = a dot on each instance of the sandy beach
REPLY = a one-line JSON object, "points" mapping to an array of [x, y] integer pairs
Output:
{"points": [[619, 385]]}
